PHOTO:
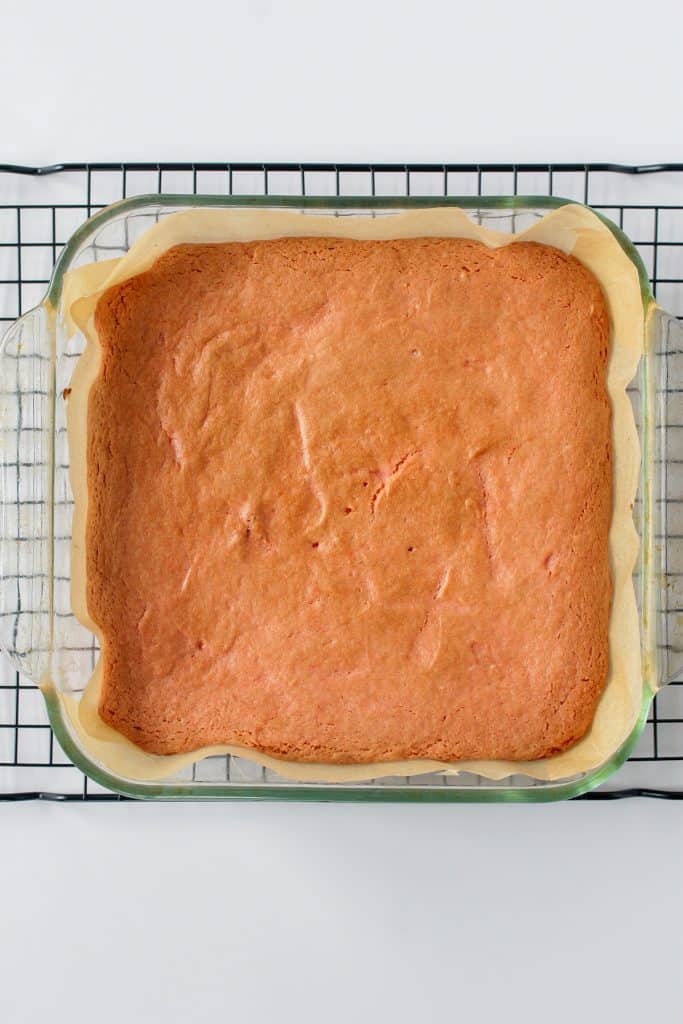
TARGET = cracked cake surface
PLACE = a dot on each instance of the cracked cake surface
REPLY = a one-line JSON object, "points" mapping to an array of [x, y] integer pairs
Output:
{"points": [[349, 501]]}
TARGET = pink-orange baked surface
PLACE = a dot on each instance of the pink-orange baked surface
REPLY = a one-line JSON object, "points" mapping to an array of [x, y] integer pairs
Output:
{"points": [[349, 501]]}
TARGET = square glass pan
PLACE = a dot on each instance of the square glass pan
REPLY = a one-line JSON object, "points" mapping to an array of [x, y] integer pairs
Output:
{"points": [[43, 639]]}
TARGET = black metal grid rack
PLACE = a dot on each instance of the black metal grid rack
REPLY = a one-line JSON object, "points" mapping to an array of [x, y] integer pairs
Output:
{"points": [[40, 207]]}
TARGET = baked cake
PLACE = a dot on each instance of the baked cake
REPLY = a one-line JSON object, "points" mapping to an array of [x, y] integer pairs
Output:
{"points": [[349, 501]]}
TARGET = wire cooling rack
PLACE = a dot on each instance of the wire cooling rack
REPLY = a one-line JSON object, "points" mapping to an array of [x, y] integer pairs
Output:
{"points": [[40, 207]]}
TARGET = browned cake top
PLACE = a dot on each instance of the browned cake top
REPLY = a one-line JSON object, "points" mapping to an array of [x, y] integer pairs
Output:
{"points": [[349, 501]]}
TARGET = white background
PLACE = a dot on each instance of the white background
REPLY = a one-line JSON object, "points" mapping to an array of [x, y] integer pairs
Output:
{"points": [[341, 913]]}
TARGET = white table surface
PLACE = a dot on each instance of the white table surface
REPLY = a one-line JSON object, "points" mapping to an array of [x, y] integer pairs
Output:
{"points": [[335, 913]]}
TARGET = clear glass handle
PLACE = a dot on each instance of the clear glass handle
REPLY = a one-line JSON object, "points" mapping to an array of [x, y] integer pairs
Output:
{"points": [[26, 449], [667, 500]]}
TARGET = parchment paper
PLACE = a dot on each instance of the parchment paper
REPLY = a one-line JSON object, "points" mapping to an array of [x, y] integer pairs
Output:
{"points": [[573, 229]]}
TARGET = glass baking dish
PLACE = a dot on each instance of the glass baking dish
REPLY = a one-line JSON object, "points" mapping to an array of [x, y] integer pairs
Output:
{"points": [[44, 640]]}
